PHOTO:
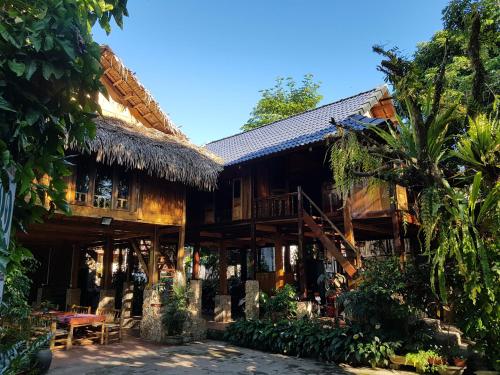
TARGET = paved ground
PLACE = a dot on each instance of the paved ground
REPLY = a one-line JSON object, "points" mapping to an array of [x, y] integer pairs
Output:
{"points": [[210, 357]]}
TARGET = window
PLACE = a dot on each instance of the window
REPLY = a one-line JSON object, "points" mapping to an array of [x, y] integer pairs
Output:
{"points": [[103, 187], [82, 185], [266, 259], [123, 191]]}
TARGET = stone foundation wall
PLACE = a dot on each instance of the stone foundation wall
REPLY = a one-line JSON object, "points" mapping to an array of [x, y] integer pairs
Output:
{"points": [[195, 328], [128, 296], [252, 299], [151, 323], [106, 299], [222, 308]]}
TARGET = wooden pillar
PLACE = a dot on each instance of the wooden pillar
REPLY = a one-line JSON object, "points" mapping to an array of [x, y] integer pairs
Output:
{"points": [[349, 228], [107, 267], [253, 239], [287, 260], [244, 266], [222, 269], [153, 257], [279, 264], [399, 246], [75, 266], [301, 260], [196, 262], [181, 251]]}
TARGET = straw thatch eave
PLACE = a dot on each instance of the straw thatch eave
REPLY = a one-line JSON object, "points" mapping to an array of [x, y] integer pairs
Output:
{"points": [[161, 155], [122, 84]]}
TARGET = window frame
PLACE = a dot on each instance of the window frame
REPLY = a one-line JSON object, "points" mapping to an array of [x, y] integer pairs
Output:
{"points": [[115, 172]]}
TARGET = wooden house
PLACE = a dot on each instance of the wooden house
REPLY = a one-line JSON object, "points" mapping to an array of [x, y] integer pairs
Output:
{"points": [[128, 188], [275, 215]]}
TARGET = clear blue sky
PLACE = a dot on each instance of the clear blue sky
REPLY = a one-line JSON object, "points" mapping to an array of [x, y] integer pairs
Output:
{"points": [[205, 61]]}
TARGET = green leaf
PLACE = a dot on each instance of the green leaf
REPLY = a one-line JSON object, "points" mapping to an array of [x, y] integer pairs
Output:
{"points": [[48, 43], [68, 48], [5, 105], [31, 69], [17, 67]]}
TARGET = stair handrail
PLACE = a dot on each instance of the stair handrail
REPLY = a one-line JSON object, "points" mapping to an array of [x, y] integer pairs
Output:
{"points": [[323, 215]]}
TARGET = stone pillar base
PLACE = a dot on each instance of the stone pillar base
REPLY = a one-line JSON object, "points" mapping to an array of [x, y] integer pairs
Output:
{"points": [[304, 309], [106, 299], [128, 296], [151, 323], [73, 296], [252, 299], [195, 328], [222, 308]]}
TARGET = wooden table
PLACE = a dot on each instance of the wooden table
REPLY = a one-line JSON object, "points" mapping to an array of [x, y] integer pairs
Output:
{"points": [[73, 321]]}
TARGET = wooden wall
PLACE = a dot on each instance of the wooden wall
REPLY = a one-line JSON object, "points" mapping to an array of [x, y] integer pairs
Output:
{"points": [[152, 201], [368, 199]]}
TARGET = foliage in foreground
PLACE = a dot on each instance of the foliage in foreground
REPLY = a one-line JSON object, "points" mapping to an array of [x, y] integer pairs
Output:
{"points": [[310, 339], [449, 159], [282, 305], [49, 76], [175, 312], [19, 357], [388, 296], [285, 99]]}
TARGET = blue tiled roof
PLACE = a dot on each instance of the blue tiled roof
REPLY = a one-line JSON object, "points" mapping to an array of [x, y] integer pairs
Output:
{"points": [[299, 130], [360, 122]]}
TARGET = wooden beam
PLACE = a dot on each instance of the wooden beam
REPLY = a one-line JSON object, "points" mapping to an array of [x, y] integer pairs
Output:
{"points": [[372, 228], [211, 234], [266, 228]]}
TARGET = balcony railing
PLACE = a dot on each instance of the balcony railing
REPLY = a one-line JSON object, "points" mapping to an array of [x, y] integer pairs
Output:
{"points": [[276, 206]]}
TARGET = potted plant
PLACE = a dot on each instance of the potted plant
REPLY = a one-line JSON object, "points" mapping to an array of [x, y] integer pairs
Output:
{"points": [[425, 361], [175, 314]]}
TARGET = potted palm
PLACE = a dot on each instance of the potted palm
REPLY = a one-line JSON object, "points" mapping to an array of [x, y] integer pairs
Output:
{"points": [[175, 314]]}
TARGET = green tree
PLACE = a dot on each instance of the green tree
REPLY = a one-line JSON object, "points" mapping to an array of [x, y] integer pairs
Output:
{"points": [[454, 170], [285, 99], [49, 77]]}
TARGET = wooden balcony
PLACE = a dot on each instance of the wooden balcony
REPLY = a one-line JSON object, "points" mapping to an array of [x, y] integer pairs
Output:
{"points": [[276, 206]]}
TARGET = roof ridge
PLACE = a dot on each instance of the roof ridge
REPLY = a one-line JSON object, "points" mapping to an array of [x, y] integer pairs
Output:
{"points": [[379, 87]]}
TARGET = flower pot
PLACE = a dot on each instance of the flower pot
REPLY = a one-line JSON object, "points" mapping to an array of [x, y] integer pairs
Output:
{"points": [[398, 360], [435, 361], [459, 362], [173, 340], [43, 359], [451, 370]]}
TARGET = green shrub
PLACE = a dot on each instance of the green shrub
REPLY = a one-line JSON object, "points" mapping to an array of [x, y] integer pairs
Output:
{"points": [[423, 361], [311, 339], [282, 305], [175, 312]]}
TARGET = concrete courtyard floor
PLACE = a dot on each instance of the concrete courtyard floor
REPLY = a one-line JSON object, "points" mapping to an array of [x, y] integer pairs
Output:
{"points": [[135, 356]]}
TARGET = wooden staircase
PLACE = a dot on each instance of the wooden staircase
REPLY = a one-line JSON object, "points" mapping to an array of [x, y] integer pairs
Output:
{"points": [[325, 231]]}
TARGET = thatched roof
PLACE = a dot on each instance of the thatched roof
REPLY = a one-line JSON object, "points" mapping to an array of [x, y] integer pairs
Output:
{"points": [[125, 88], [162, 155]]}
